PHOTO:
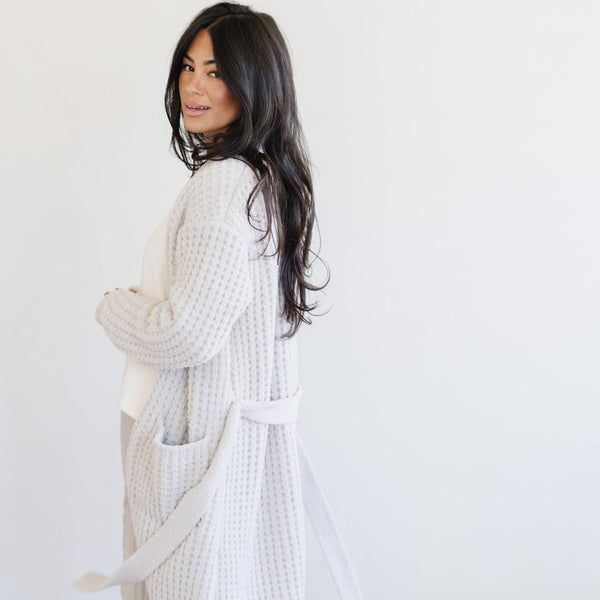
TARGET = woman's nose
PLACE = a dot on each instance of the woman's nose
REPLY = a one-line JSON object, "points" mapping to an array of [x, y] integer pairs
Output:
{"points": [[196, 84]]}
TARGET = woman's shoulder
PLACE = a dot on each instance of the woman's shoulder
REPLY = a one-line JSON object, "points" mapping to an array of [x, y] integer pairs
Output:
{"points": [[226, 171], [219, 189]]}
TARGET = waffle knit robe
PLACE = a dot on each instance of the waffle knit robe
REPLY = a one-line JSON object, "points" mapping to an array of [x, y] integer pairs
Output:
{"points": [[213, 479]]}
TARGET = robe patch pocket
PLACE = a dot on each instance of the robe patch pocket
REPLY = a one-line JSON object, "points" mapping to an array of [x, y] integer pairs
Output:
{"points": [[167, 472]]}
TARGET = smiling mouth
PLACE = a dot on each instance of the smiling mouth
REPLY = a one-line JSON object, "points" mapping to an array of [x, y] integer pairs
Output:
{"points": [[195, 110]]}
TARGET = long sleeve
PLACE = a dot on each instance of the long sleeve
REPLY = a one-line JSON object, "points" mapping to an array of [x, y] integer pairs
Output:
{"points": [[210, 288]]}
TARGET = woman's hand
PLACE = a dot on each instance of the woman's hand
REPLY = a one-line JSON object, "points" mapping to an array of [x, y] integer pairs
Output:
{"points": [[133, 288]]}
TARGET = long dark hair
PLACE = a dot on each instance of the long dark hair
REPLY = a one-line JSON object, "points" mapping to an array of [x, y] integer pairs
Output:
{"points": [[253, 61]]}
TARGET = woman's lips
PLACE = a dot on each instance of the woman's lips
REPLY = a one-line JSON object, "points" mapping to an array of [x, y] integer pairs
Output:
{"points": [[195, 110]]}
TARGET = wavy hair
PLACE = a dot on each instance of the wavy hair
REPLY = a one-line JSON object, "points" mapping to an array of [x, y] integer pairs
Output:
{"points": [[254, 63]]}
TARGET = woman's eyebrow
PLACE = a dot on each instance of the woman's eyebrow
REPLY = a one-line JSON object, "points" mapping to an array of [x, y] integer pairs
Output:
{"points": [[212, 61]]}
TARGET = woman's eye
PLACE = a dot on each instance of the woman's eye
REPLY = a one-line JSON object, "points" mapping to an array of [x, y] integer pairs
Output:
{"points": [[215, 74], [184, 67]]}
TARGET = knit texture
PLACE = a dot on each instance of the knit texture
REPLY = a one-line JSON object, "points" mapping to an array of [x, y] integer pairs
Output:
{"points": [[215, 341]]}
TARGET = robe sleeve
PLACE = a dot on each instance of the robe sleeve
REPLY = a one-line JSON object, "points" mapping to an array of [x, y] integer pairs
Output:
{"points": [[210, 289]]}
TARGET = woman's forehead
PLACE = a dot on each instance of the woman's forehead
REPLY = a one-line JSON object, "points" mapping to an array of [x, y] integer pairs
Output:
{"points": [[201, 49]]}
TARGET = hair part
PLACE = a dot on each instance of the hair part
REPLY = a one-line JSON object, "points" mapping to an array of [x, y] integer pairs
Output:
{"points": [[254, 63]]}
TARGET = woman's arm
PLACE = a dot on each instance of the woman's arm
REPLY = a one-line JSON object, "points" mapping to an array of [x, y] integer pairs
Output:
{"points": [[211, 288]]}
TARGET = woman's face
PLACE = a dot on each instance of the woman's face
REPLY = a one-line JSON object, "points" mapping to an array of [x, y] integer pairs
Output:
{"points": [[207, 104]]}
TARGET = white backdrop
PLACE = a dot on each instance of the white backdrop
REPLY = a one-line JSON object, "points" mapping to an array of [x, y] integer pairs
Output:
{"points": [[451, 393]]}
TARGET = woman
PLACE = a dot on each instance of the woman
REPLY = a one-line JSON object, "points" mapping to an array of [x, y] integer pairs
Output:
{"points": [[214, 472]]}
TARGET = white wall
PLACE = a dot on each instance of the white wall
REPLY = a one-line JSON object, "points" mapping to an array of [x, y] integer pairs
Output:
{"points": [[451, 394]]}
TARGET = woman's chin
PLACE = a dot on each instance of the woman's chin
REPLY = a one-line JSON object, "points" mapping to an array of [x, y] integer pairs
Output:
{"points": [[193, 129]]}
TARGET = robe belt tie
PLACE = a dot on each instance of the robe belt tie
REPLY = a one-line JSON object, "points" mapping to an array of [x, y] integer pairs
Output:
{"points": [[196, 500]]}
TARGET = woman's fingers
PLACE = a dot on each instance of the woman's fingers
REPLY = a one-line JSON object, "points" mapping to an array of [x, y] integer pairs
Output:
{"points": [[111, 290]]}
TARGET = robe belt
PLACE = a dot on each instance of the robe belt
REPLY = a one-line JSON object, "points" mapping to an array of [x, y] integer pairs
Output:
{"points": [[196, 500]]}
